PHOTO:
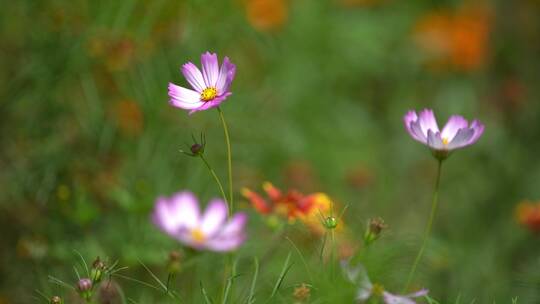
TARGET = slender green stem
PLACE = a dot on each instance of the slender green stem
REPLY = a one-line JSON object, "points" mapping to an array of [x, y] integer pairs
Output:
{"points": [[216, 178], [434, 204], [229, 158], [332, 254]]}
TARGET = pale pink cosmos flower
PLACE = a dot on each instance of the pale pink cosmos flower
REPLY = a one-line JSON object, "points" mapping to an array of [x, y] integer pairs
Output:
{"points": [[367, 290], [210, 87], [457, 133], [179, 217]]}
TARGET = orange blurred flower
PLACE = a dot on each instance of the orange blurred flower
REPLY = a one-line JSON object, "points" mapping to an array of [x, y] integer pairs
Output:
{"points": [[292, 205], [454, 39], [127, 115], [118, 53], [267, 15], [528, 215], [358, 3]]}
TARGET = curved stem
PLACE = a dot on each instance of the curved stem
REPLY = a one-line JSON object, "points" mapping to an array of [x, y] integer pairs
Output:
{"points": [[434, 204], [216, 178], [229, 158]]}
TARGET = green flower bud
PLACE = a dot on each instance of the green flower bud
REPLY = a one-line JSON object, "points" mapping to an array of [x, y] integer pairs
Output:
{"points": [[330, 222]]}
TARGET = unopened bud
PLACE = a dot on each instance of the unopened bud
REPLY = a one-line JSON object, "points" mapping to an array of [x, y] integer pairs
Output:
{"points": [[374, 229], [56, 300], [197, 149], [330, 222], [96, 273], [174, 261], [84, 287]]}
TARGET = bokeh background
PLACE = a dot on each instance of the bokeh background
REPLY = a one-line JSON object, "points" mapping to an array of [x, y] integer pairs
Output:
{"points": [[88, 140]]}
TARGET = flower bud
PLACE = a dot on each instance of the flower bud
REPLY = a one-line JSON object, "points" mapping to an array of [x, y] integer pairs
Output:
{"points": [[174, 264], [56, 300], [330, 222], [374, 229], [96, 273], [197, 149], [84, 287]]}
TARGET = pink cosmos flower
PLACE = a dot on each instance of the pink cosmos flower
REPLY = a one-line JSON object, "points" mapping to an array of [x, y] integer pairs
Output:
{"points": [[179, 216], [210, 87], [457, 133], [367, 290]]}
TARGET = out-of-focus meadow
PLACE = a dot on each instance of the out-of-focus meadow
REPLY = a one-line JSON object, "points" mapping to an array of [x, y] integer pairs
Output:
{"points": [[88, 140]]}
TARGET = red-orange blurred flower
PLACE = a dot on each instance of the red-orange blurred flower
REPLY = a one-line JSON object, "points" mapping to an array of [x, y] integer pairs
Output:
{"points": [[454, 39], [266, 15], [128, 117], [291, 204], [528, 215]]}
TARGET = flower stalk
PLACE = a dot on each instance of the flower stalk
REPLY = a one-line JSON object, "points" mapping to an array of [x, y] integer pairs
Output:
{"points": [[434, 204], [229, 158]]}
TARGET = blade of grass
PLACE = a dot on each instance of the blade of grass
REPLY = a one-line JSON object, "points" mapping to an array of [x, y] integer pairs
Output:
{"points": [[301, 258], [83, 262], [60, 282], [229, 283], [205, 295], [284, 270], [251, 296], [163, 286]]}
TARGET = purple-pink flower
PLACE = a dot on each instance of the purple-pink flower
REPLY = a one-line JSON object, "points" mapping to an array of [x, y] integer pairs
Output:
{"points": [[179, 216], [210, 87], [457, 133], [368, 290]]}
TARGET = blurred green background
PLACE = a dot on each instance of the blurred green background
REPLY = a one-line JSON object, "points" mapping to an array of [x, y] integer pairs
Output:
{"points": [[88, 140]]}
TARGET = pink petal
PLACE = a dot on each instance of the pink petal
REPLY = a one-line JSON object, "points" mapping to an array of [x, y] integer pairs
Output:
{"points": [[193, 76], [455, 122], [434, 140], [228, 244], [235, 225], [185, 206], [210, 68], [214, 217], [417, 130], [478, 128], [428, 121], [231, 236], [176, 213], [226, 76], [184, 98], [393, 299], [408, 120], [462, 138]]}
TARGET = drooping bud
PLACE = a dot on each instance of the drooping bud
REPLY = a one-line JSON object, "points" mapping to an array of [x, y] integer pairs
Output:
{"points": [[56, 300], [374, 229], [84, 287], [302, 293], [197, 148], [96, 273]]}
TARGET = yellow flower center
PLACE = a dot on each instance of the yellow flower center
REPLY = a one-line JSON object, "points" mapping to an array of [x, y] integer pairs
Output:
{"points": [[197, 235], [208, 94], [377, 290], [445, 141]]}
